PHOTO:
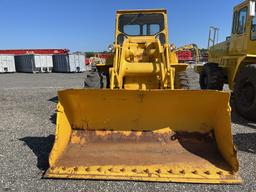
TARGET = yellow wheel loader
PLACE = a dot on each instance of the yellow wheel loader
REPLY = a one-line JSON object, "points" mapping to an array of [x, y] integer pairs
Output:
{"points": [[234, 61], [142, 126]]}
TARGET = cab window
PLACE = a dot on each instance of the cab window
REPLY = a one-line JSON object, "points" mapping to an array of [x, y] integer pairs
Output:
{"points": [[234, 23], [242, 20], [253, 30], [132, 29], [141, 24]]}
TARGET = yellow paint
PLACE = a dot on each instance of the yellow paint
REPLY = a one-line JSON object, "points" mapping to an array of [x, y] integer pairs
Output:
{"points": [[127, 111], [163, 131]]}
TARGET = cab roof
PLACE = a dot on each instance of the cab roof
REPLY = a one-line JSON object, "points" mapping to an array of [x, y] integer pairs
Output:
{"points": [[242, 4], [164, 11]]}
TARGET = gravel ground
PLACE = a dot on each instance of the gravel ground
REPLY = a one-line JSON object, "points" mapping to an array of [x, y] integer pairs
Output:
{"points": [[27, 105]]}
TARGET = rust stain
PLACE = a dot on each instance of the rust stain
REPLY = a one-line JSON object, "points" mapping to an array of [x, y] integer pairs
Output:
{"points": [[142, 148]]}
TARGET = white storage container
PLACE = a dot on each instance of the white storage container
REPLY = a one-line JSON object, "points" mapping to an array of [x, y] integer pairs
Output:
{"points": [[7, 64], [33, 63], [69, 63]]}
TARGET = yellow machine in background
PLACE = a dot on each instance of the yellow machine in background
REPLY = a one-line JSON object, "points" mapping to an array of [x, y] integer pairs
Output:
{"points": [[191, 47], [234, 61], [143, 125]]}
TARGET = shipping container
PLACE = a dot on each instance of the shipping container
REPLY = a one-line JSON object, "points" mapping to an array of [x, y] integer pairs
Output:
{"points": [[33, 63], [7, 64], [69, 63]]}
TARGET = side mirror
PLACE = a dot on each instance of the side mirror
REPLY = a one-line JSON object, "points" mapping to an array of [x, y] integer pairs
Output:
{"points": [[111, 48], [252, 8], [228, 38]]}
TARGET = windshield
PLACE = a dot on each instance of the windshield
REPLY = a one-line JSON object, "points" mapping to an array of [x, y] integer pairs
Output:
{"points": [[141, 24]]}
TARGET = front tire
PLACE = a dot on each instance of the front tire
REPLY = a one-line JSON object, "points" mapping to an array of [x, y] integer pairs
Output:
{"points": [[96, 79], [92, 80], [211, 77], [181, 80], [245, 92], [104, 80]]}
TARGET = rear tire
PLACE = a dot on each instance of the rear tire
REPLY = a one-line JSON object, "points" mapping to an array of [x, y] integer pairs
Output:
{"points": [[181, 80], [245, 92], [211, 77]]}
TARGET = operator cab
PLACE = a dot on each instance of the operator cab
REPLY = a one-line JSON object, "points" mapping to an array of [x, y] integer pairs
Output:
{"points": [[243, 37]]}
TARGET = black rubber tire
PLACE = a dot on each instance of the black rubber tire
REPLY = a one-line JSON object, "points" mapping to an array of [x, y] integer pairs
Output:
{"points": [[181, 80], [92, 80], [211, 77], [96, 79], [202, 79], [104, 80], [245, 92]]}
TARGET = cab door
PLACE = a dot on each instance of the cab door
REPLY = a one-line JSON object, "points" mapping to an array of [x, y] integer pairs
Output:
{"points": [[252, 35], [238, 43]]}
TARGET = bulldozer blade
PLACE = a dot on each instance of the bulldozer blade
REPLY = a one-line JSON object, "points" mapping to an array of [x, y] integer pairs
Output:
{"points": [[151, 135]]}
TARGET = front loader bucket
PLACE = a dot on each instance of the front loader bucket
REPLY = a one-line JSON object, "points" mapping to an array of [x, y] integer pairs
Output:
{"points": [[160, 135]]}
